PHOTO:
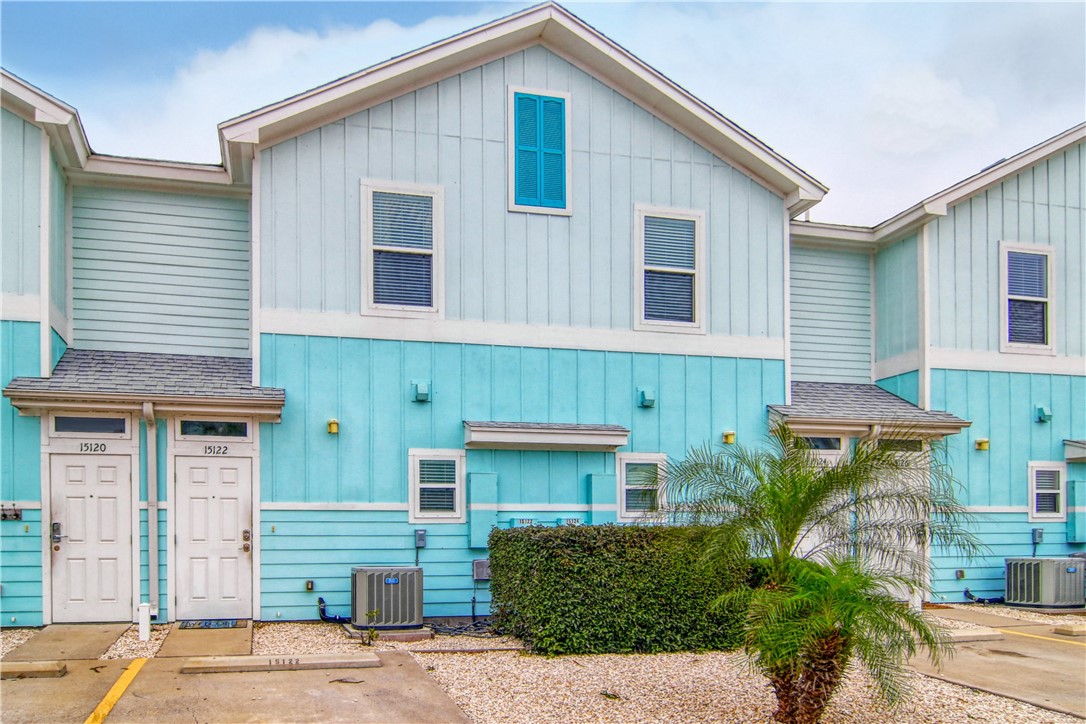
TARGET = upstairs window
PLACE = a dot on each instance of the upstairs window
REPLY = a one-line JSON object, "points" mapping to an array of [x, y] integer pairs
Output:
{"points": [[669, 275], [402, 228], [539, 146], [640, 484], [1047, 491], [436, 486], [1027, 299]]}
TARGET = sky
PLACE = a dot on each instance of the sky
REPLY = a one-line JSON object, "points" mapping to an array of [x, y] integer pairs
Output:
{"points": [[885, 103]]}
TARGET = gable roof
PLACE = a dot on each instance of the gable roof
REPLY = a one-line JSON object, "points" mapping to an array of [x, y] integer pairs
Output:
{"points": [[908, 221], [564, 34]]}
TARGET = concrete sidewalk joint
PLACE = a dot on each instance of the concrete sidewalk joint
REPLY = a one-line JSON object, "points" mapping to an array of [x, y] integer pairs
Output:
{"points": [[233, 664], [33, 669]]}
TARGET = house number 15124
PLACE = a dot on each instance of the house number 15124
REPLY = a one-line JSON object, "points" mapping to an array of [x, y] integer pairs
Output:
{"points": [[214, 449]]}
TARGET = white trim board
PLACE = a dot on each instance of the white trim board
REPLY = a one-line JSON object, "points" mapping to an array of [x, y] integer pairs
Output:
{"points": [[388, 507], [1042, 363], [20, 307], [327, 324], [897, 365]]}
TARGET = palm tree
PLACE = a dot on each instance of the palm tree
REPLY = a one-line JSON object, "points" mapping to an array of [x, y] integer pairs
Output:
{"points": [[832, 546]]}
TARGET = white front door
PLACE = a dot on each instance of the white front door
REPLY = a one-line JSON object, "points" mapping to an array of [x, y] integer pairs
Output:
{"points": [[91, 511], [214, 534]]}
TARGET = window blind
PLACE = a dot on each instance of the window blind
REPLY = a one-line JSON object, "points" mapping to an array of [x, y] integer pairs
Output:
{"points": [[403, 240], [437, 485], [669, 283], [1046, 491], [1027, 305]]}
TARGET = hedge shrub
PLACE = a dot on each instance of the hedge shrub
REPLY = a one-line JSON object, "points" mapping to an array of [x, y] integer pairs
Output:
{"points": [[612, 589]]}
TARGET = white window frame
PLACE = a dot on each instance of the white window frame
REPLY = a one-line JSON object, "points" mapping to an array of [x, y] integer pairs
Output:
{"points": [[1005, 345], [415, 515], [621, 460], [1061, 514], [437, 193], [511, 150], [126, 435], [698, 217]]}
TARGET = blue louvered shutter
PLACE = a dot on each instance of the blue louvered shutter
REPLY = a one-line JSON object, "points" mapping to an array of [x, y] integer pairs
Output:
{"points": [[670, 251], [540, 153], [1027, 303], [403, 254], [437, 486]]}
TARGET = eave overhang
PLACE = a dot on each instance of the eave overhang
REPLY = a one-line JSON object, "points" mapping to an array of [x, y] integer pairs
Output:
{"points": [[36, 403], [1074, 451], [543, 436], [559, 31], [867, 427]]}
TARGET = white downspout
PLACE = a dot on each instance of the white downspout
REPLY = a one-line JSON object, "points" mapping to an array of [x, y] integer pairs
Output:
{"points": [[151, 465]]}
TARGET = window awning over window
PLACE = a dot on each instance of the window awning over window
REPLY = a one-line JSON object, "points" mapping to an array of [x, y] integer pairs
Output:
{"points": [[855, 410], [187, 384], [543, 436], [1074, 451]]}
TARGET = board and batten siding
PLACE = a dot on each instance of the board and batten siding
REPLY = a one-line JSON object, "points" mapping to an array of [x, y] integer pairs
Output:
{"points": [[58, 232], [510, 267], [1041, 205], [897, 313], [20, 213], [831, 315], [160, 272]]}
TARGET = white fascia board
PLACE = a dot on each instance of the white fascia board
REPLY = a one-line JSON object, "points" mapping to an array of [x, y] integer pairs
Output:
{"points": [[518, 438], [846, 427], [168, 176], [1074, 451], [833, 236], [60, 121], [553, 27], [37, 403]]}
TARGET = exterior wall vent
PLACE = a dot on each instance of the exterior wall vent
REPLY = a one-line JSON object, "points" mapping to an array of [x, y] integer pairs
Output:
{"points": [[386, 597], [480, 569], [1046, 582]]}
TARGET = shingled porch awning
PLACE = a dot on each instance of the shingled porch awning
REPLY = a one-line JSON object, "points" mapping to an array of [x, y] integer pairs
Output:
{"points": [[187, 384], [858, 410]]}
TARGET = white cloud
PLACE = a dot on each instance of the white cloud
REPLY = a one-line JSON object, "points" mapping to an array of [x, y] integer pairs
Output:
{"points": [[911, 110]]}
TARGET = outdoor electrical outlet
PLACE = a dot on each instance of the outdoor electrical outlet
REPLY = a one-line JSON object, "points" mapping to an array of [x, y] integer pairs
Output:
{"points": [[959, 574], [309, 585]]}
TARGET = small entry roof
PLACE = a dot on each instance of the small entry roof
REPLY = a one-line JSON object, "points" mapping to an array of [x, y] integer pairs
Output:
{"points": [[819, 407], [98, 379]]}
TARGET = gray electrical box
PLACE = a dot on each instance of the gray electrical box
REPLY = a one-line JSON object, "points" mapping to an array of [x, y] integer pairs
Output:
{"points": [[386, 597], [420, 538], [480, 569]]}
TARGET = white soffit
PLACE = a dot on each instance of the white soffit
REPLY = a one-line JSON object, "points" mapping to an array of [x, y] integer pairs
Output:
{"points": [[1074, 451], [559, 31], [543, 436]]}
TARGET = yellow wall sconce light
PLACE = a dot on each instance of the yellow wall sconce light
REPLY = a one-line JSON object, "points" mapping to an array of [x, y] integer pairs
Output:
{"points": [[981, 443], [333, 426], [729, 437]]}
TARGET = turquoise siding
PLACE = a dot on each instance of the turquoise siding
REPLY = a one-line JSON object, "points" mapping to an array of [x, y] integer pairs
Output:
{"points": [[20, 570], [1042, 205], [1007, 535], [58, 234], [897, 313], [20, 437], [57, 348], [158, 272], [365, 384], [905, 386], [163, 589], [516, 267], [20, 212], [1002, 406], [831, 315]]}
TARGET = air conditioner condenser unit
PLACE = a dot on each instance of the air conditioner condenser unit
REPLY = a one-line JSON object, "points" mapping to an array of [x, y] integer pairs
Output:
{"points": [[386, 597], [1045, 582]]}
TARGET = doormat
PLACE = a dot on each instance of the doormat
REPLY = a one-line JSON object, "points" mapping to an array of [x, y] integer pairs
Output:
{"points": [[213, 623]]}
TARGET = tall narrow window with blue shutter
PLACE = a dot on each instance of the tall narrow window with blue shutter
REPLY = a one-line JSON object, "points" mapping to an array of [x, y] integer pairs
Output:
{"points": [[540, 153], [403, 249], [670, 268], [1027, 298]]}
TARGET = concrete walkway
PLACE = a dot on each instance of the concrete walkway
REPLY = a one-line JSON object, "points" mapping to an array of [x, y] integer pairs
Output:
{"points": [[60, 641], [188, 642], [1030, 663]]}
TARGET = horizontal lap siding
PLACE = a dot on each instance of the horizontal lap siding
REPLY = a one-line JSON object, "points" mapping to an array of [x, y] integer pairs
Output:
{"points": [[163, 588], [1007, 535], [20, 437], [510, 267], [20, 570], [1041, 205], [831, 316], [160, 272]]}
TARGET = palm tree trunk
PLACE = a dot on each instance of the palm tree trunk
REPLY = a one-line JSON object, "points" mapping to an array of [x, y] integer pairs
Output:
{"points": [[786, 687], [823, 672]]}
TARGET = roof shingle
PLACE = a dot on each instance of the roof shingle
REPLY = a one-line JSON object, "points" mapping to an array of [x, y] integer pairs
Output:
{"points": [[844, 401]]}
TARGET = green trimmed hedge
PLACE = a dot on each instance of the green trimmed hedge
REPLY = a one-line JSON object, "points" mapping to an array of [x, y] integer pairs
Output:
{"points": [[612, 589]]}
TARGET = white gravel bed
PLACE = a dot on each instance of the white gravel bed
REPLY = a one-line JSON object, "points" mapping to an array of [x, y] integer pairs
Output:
{"points": [[1023, 614], [950, 623], [129, 646], [318, 637], [11, 638], [719, 687]]}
